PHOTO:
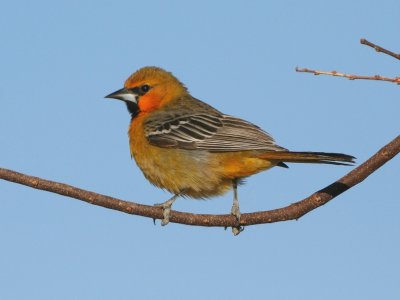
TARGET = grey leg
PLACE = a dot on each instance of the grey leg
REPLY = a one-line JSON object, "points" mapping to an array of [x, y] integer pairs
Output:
{"points": [[235, 211], [235, 206], [166, 206]]}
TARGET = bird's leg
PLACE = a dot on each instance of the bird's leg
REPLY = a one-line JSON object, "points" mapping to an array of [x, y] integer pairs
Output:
{"points": [[235, 211], [235, 206], [166, 206]]}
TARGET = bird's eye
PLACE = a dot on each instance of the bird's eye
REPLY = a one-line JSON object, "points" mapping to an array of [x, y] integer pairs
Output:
{"points": [[144, 88]]}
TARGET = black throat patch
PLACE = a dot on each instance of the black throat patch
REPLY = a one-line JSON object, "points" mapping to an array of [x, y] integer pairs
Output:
{"points": [[133, 108]]}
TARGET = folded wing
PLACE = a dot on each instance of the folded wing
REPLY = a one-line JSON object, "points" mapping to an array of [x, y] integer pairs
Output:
{"points": [[212, 132]]}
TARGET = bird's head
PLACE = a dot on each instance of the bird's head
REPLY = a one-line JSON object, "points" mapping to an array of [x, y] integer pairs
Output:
{"points": [[148, 89]]}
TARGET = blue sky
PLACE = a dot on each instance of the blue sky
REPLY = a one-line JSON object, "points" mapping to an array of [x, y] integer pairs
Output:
{"points": [[60, 58]]}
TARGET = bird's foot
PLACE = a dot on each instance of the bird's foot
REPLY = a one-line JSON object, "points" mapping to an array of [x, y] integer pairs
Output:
{"points": [[237, 230], [166, 206], [235, 211]]}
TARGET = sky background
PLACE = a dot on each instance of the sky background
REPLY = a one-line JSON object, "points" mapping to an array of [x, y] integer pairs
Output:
{"points": [[60, 58]]}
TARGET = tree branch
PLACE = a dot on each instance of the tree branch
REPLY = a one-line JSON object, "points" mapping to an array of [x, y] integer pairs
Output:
{"points": [[349, 76], [379, 48], [353, 77], [291, 212]]}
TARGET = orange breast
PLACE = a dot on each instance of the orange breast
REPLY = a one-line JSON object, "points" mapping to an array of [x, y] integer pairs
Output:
{"points": [[178, 171]]}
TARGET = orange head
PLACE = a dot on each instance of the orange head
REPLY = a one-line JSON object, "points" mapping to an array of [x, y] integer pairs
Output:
{"points": [[148, 89]]}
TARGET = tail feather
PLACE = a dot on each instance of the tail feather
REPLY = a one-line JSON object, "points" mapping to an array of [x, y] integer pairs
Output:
{"points": [[309, 157]]}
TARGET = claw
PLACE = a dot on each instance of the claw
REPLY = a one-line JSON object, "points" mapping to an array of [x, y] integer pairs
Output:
{"points": [[166, 206], [237, 230]]}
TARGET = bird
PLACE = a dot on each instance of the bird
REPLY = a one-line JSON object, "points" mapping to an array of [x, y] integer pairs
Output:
{"points": [[189, 148]]}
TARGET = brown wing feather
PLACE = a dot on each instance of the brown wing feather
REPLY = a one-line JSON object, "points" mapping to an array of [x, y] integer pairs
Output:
{"points": [[213, 132]]}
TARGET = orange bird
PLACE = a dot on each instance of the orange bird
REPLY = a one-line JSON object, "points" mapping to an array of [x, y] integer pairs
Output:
{"points": [[189, 148]]}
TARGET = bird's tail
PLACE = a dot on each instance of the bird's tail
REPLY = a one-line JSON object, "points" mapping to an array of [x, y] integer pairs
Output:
{"points": [[308, 157]]}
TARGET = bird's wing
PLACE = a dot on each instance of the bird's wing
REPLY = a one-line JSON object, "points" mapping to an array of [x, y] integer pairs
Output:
{"points": [[204, 131]]}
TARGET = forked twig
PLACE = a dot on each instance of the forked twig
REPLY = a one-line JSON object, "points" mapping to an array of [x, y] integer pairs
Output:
{"points": [[352, 76]]}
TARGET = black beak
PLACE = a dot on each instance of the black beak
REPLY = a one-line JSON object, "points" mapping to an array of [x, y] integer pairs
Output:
{"points": [[124, 95]]}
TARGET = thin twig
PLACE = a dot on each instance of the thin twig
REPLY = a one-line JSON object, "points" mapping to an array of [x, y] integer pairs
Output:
{"points": [[353, 77], [291, 212], [380, 49], [349, 76]]}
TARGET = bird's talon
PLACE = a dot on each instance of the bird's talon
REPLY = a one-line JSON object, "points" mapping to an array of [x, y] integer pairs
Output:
{"points": [[166, 207], [237, 230], [166, 213]]}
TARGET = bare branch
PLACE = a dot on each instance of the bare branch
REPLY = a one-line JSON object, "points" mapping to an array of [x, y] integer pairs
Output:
{"points": [[291, 212], [379, 48], [353, 77], [349, 76]]}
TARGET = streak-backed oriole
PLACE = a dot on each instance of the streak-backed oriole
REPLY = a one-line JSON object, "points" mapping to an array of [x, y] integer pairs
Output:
{"points": [[189, 148]]}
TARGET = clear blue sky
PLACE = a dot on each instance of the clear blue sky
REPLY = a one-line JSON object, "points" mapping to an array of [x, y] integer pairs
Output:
{"points": [[60, 58]]}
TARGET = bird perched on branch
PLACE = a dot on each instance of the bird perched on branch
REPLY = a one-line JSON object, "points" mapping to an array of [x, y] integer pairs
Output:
{"points": [[189, 148]]}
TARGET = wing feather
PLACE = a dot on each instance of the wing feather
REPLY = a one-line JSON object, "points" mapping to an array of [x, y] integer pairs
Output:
{"points": [[211, 132]]}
